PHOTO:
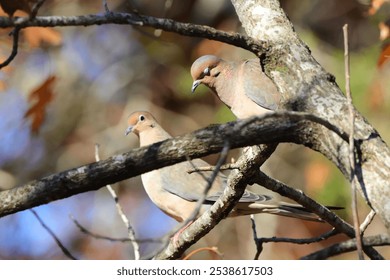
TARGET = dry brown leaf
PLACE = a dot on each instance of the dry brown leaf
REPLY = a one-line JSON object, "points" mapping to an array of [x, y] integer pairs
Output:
{"points": [[35, 36], [43, 95]]}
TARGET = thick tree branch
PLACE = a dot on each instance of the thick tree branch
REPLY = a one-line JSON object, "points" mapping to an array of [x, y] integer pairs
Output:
{"points": [[272, 128]]}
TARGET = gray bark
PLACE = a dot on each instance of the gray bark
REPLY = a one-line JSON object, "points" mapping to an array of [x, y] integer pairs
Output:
{"points": [[308, 87]]}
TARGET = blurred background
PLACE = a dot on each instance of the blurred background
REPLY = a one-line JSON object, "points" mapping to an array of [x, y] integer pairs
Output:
{"points": [[70, 88]]}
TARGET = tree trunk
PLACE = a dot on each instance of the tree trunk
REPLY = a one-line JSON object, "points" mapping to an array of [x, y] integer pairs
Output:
{"points": [[307, 87]]}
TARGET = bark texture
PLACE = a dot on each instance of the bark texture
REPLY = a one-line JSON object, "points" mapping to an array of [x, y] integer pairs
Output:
{"points": [[307, 87]]}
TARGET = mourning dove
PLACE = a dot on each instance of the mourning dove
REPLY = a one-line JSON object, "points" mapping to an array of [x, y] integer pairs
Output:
{"points": [[175, 191], [242, 85]]}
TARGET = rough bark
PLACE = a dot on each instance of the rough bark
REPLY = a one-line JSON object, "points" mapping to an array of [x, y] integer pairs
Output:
{"points": [[274, 128], [307, 87]]}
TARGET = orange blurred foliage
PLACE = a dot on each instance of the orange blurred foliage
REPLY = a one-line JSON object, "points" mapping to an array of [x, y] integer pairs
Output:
{"points": [[35, 36], [375, 6], [316, 175]]}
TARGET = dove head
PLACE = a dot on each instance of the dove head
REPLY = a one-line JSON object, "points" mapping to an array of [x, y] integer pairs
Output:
{"points": [[140, 121], [205, 70]]}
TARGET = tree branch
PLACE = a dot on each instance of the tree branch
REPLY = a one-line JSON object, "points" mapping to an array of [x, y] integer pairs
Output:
{"points": [[249, 163], [328, 216], [272, 128], [306, 86], [187, 29], [348, 246]]}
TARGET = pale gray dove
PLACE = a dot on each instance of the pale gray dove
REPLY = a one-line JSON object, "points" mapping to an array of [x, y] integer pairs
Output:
{"points": [[176, 192], [241, 85]]}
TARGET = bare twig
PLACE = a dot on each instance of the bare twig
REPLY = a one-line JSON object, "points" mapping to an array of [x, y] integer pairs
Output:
{"points": [[105, 6], [319, 238], [259, 241], [112, 239], [367, 221], [259, 245], [209, 181], [201, 169], [15, 45], [130, 229], [213, 250], [63, 248], [348, 246], [35, 8], [352, 145], [298, 196], [200, 202]]}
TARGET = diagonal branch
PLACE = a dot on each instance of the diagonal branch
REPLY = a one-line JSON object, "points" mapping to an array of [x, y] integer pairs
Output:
{"points": [[249, 163], [328, 216]]}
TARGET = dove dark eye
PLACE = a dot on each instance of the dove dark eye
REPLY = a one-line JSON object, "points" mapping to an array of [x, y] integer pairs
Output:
{"points": [[142, 118]]}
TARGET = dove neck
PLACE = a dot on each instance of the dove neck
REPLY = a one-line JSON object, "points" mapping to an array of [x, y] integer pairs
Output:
{"points": [[153, 135]]}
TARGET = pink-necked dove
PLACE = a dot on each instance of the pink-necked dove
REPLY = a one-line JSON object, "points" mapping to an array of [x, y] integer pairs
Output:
{"points": [[241, 85], [176, 192]]}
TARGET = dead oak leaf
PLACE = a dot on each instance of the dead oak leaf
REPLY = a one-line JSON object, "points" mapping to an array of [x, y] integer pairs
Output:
{"points": [[43, 95]]}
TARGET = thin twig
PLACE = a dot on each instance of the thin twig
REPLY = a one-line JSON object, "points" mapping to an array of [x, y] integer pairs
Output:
{"points": [[105, 6], [63, 248], [352, 145], [35, 8], [119, 209], [213, 250], [319, 238], [210, 182], [227, 166], [367, 221], [348, 246], [112, 239], [259, 245], [15, 45], [299, 197], [200, 202]]}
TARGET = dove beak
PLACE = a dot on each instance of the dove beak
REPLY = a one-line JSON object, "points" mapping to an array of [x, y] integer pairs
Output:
{"points": [[129, 130], [195, 85]]}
